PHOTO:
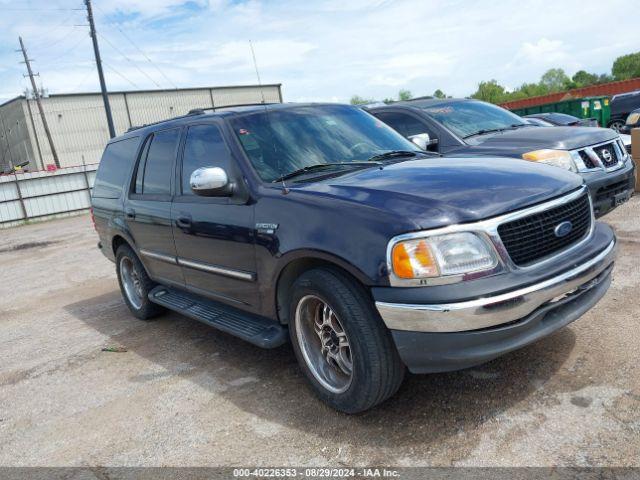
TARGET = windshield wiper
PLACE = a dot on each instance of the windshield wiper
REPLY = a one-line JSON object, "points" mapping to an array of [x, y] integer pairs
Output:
{"points": [[494, 130], [392, 154], [321, 166]]}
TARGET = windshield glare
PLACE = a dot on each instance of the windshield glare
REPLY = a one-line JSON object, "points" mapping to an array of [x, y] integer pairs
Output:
{"points": [[469, 117], [280, 141]]}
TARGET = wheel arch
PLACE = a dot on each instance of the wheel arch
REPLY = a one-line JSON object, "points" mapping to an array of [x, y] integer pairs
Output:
{"points": [[299, 263]]}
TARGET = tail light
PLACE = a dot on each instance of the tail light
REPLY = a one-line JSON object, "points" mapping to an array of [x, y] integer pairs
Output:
{"points": [[93, 218]]}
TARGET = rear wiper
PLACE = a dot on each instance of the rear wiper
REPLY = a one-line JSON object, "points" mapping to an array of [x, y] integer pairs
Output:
{"points": [[321, 166], [392, 154]]}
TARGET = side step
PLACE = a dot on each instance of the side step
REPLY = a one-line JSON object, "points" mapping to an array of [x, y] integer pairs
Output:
{"points": [[254, 329]]}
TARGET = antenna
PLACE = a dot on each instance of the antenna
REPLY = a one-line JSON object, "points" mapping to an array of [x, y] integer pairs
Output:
{"points": [[285, 190]]}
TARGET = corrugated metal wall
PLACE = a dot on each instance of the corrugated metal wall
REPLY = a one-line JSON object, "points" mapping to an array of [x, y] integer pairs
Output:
{"points": [[78, 123], [42, 195]]}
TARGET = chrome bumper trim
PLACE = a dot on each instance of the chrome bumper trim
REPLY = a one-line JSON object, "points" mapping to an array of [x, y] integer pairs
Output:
{"points": [[496, 310]]}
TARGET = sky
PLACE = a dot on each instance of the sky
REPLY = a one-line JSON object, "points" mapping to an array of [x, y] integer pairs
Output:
{"points": [[320, 50]]}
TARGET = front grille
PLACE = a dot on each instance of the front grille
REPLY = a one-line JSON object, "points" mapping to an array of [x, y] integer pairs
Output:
{"points": [[607, 155], [586, 159], [533, 238]]}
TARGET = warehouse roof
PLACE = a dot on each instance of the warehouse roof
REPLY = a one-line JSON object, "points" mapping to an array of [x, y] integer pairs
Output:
{"points": [[162, 90]]}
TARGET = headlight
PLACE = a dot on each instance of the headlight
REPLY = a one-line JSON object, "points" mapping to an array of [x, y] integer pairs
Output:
{"points": [[441, 255], [558, 158], [633, 118]]}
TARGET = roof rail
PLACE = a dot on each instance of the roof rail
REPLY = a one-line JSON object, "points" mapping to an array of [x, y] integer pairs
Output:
{"points": [[197, 111], [200, 111]]}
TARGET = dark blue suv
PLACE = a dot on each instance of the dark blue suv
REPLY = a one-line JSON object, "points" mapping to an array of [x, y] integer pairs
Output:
{"points": [[320, 224]]}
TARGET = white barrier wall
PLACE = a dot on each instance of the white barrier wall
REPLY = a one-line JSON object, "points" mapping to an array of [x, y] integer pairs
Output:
{"points": [[41, 195]]}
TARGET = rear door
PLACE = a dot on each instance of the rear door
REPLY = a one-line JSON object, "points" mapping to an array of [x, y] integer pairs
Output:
{"points": [[148, 209], [214, 236]]}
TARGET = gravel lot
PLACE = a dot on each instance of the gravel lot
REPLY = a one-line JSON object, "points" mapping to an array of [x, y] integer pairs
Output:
{"points": [[185, 394]]}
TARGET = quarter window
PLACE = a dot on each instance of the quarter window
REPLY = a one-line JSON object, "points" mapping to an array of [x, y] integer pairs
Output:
{"points": [[204, 147]]}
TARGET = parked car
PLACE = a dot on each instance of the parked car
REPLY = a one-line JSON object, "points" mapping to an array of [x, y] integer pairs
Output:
{"points": [[319, 224], [473, 128], [562, 119], [633, 121], [621, 106]]}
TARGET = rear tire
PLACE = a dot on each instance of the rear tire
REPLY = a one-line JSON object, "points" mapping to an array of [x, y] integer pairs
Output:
{"points": [[135, 284], [341, 343]]}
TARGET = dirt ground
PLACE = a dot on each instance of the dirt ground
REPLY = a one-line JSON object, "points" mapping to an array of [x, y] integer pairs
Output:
{"points": [[183, 394]]}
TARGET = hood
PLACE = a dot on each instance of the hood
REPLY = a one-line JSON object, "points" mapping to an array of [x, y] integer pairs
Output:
{"points": [[435, 192], [536, 138]]}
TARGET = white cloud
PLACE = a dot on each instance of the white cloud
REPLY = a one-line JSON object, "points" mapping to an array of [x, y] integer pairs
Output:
{"points": [[318, 49]]}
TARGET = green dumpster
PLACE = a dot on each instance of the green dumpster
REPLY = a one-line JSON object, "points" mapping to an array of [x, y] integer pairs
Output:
{"points": [[586, 107]]}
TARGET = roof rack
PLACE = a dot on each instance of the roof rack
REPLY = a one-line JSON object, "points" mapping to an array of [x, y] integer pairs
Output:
{"points": [[196, 111], [200, 111]]}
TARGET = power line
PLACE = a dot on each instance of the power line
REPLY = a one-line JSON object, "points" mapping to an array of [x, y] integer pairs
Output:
{"points": [[129, 60], [66, 52], [141, 52], [119, 74]]}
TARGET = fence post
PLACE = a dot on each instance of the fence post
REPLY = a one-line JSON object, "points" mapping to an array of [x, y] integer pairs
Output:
{"points": [[20, 199]]}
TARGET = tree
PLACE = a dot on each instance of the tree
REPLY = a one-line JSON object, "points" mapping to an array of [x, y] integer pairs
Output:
{"points": [[555, 80], [490, 91], [626, 66], [439, 94], [583, 78], [358, 100], [404, 95]]}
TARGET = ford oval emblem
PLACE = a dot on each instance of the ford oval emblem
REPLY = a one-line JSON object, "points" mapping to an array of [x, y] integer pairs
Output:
{"points": [[563, 229]]}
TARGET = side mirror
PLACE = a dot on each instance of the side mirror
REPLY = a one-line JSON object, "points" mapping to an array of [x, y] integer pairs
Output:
{"points": [[210, 182], [423, 140]]}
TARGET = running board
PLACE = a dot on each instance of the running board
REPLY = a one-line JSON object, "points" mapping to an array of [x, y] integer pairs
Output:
{"points": [[254, 329]]}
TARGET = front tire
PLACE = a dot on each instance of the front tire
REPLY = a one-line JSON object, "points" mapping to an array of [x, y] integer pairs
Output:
{"points": [[342, 345], [616, 125], [135, 284]]}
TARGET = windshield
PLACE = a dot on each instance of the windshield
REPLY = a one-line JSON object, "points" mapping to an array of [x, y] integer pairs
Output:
{"points": [[471, 117], [283, 140]]}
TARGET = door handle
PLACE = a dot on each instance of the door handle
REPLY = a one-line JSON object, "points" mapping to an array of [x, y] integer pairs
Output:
{"points": [[130, 213], [184, 221]]}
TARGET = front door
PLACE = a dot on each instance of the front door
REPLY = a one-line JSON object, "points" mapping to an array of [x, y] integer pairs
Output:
{"points": [[214, 236], [148, 208]]}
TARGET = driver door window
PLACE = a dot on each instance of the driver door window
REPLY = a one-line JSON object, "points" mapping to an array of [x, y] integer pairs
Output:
{"points": [[406, 125]]}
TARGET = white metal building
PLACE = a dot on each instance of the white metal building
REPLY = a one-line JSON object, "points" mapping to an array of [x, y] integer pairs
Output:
{"points": [[79, 127]]}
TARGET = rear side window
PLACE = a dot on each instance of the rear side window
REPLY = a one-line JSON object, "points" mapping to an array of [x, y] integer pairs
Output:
{"points": [[114, 167], [204, 147], [157, 163]]}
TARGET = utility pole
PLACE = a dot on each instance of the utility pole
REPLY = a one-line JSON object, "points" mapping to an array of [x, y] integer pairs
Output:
{"points": [[36, 94], [96, 51]]}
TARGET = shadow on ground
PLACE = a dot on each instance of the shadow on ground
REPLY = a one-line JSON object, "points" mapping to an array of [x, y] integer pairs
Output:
{"points": [[427, 409]]}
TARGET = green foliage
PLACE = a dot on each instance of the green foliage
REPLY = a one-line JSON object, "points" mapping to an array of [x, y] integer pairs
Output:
{"points": [[404, 95], [490, 91], [626, 66], [555, 80], [439, 94], [358, 100], [583, 78]]}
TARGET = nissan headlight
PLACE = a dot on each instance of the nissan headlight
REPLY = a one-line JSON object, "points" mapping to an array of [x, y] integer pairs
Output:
{"points": [[558, 158], [441, 255]]}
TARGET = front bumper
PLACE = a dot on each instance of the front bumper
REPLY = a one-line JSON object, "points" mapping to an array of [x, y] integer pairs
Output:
{"points": [[610, 189], [450, 336], [425, 352], [494, 310]]}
